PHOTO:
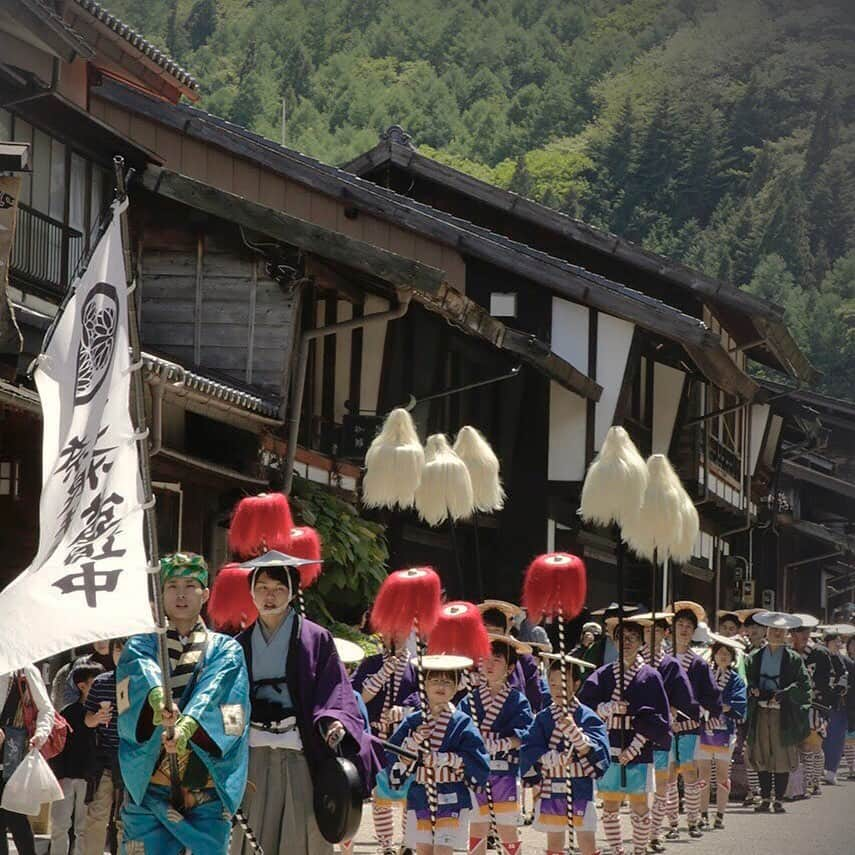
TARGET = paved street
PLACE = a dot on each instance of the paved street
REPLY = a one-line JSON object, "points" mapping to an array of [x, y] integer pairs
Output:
{"points": [[818, 826]]}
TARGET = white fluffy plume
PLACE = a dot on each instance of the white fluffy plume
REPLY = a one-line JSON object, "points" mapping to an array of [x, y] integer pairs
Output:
{"points": [[483, 465], [659, 525], [446, 487], [615, 483], [682, 549], [393, 464]]}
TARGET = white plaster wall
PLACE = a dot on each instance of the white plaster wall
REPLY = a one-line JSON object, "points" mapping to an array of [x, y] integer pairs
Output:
{"points": [[667, 392], [614, 338]]}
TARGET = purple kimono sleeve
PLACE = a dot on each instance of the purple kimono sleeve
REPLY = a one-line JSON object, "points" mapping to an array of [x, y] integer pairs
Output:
{"points": [[368, 666], [326, 695], [598, 688]]}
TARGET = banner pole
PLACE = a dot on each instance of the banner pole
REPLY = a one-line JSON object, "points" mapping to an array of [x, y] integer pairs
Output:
{"points": [[138, 417]]}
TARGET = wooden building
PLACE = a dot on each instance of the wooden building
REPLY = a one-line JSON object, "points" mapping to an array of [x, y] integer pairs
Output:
{"points": [[702, 408], [395, 281], [809, 524]]}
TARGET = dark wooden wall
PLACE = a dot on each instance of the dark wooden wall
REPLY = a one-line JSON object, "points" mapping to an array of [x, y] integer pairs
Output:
{"points": [[21, 442], [207, 302]]}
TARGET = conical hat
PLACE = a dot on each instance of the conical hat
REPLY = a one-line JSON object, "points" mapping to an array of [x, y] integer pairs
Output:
{"points": [[776, 620], [688, 605], [568, 660], [349, 652], [647, 618], [806, 621], [443, 662]]}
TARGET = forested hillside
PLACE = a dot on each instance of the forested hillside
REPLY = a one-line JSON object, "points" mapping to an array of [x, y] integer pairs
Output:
{"points": [[719, 132]]}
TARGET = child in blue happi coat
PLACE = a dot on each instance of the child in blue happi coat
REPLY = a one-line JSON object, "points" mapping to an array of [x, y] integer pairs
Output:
{"points": [[566, 747], [447, 759], [503, 715]]}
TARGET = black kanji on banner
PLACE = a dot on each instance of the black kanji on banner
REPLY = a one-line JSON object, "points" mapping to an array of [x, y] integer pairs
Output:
{"points": [[90, 581], [95, 539], [96, 542]]}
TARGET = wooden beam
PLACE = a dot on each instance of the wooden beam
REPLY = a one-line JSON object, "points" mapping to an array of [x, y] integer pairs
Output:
{"points": [[49, 29], [197, 311], [563, 278], [819, 479], [380, 263], [250, 333]]}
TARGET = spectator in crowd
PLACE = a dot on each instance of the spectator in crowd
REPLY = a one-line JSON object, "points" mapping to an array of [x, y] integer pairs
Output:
{"points": [[102, 717], [15, 689], [63, 691], [74, 767]]}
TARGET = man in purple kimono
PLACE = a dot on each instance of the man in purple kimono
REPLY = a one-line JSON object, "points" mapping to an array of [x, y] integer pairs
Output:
{"points": [[637, 717], [687, 616], [303, 707]]}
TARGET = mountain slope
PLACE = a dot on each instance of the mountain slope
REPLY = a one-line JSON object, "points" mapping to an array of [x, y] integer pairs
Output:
{"points": [[719, 132]]}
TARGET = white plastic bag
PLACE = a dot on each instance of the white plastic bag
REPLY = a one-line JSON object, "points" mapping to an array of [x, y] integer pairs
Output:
{"points": [[32, 784]]}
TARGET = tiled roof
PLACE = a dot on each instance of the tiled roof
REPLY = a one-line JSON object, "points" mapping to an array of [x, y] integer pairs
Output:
{"points": [[562, 277], [396, 147], [244, 399], [348, 178], [130, 35]]}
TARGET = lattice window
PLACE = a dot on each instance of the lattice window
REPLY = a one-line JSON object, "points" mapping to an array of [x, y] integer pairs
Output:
{"points": [[10, 479]]}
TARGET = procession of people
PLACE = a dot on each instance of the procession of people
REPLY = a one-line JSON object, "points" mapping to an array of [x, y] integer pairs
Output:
{"points": [[472, 743]]}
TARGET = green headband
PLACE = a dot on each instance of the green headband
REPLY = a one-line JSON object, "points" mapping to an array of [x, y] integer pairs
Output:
{"points": [[186, 565]]}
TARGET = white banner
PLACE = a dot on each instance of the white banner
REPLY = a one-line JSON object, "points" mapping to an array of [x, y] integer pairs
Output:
{"points": [[88, 580]]}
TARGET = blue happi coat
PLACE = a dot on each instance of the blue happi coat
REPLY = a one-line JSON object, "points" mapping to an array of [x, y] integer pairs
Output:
{"points": [[217, 698], [461, 738], [514, 719], [593, 764], [735, 695]]}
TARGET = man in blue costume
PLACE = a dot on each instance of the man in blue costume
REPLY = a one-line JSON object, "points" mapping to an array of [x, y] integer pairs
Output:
{"points": [[210, 716]]}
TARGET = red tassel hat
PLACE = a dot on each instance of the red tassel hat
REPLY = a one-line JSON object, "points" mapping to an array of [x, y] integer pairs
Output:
{"points": [[460, 631], [306, 544], [555, 584], [406, 598], [231, 607], [259, 524]]}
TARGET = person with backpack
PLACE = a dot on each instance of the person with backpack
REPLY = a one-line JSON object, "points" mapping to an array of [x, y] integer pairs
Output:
{"points": [[27, 719], [74, 766]]}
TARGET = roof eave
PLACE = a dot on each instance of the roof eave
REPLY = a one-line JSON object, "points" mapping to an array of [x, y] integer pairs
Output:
{"points": [[766, 316], [133, 44], [427, 283], [562, 277], [50, 28]]}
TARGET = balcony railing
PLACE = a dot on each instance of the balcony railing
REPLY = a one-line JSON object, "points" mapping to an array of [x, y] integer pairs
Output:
{"points": [[725, 459], [46, 252]]}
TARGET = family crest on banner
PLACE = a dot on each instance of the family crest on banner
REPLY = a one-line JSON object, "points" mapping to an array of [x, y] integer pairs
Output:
{"points": [[88, 580]]}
